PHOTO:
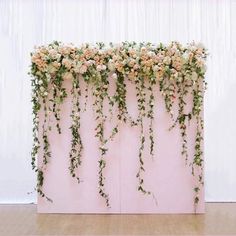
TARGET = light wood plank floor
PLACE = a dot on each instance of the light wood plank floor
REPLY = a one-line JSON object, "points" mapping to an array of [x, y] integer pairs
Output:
{"points": [[220, 219]]}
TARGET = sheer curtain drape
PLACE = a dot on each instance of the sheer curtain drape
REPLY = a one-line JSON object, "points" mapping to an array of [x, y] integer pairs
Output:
{"points": [[24, 24]]}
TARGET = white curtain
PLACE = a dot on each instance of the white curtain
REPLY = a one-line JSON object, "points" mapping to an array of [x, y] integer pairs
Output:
{"points": [[24, 24]]}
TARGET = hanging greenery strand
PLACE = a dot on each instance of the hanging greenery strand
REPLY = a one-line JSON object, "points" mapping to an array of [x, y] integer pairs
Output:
{"points": [[197, 165], [45, 141], [76, 142], [141, 95], [100, 93], [150, 115], [182, 118], [35, 111]]}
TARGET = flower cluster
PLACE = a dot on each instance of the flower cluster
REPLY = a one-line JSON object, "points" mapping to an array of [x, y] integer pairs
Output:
{"points": [[177, 70], [131, 59]]}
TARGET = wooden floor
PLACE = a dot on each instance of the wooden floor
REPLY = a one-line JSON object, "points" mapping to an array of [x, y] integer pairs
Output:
{"points": [[220, 219]]}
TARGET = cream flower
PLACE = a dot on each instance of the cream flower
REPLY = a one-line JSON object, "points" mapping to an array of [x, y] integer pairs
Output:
{"points": [[67, 63], [114, 76], [167, 60], [54, 54], [194, 76], [99, 68], [104, 67], [155, 68], [111, 65], [68, 76], [83, 69], [51, 69]]}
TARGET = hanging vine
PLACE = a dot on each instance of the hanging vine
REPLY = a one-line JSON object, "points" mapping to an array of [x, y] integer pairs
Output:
{"points": [[141, 95], [100, 93], [36, 105], [150, 114], [76, 142], [40, 96], [182, 91], [197, 164]]}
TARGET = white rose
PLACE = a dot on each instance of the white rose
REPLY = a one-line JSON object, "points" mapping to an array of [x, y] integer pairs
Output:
{"points": [[150, 54], [143, 48], [99, 68], [155, 68], [111, 65], [185, 56], [83, 69], [67, 63], [89, 63], [114, 76], [167, 60], [53, 53]]}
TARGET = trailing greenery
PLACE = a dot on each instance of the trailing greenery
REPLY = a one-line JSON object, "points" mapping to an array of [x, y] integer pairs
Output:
{"points": [[150, 114], [76, 141], [141, 98], [176, 71]]}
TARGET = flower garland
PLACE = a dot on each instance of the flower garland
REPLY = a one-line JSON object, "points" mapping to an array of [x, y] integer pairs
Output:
{"points": [[177, 71]]}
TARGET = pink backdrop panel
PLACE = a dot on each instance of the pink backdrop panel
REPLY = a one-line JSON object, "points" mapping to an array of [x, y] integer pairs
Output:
{"points": [[166, 175]]}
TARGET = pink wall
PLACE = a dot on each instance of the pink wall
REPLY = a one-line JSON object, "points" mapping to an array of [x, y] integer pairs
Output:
{"points": [[166, 176]]}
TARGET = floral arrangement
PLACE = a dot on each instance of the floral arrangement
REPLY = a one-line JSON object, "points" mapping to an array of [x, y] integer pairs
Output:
{"points": [[176, 70]]}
